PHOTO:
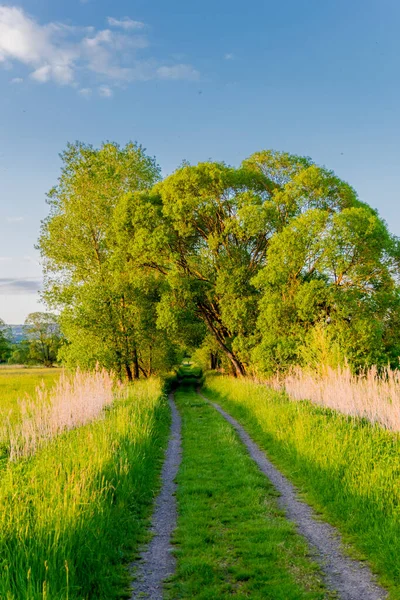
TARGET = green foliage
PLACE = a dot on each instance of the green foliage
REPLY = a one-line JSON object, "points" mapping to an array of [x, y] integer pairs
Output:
{"points": [[20, 354], [5, 342], [209, 355], [43, 339], [347, 468], [231, 539], [329, 275], [264, 266], [108, 308], [204, 241]]}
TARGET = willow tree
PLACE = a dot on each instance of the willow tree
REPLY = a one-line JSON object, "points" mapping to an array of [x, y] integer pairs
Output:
{"points": [[104, 308], [192, 229], [329, 292], [207, 229]]}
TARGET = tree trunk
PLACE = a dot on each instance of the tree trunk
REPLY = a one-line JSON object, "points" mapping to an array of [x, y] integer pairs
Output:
{"points": [[237, 366], [119, 364], [150, 360], [128, 372], [135, 364], [213, 360]]}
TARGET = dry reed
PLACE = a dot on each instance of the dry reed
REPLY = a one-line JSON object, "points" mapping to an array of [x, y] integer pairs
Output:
{"points": [[371, 395], [74, 400]]}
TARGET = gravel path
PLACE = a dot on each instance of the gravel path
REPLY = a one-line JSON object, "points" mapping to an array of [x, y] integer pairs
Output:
{"points": [[351, 579], [156, 560]]}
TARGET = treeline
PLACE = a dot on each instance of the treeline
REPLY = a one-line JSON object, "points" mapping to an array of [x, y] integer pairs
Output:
{"points": [[40, 343], [260, 267]]}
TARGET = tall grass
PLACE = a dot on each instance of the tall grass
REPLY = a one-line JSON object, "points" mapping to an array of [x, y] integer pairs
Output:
{"points": [[72, 514], [347, 467], [17, 383], [76, 399], [369, 395]]}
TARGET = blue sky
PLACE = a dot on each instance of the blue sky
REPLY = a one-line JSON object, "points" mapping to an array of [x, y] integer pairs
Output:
{"points": [[191, 80]]}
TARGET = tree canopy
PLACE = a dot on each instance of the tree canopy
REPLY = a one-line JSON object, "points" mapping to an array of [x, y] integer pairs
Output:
{"points": [[273, 263], [5, 342], [108, 310], [43, 337]]}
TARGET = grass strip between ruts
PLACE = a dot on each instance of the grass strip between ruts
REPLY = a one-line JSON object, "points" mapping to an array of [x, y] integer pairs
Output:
{"points": [[232, 540]]}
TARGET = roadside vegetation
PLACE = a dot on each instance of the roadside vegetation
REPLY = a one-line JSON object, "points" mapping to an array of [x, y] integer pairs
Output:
{"points": [[72, 515], [74, 400], [370, 395], [346, 467], [231, 539]]}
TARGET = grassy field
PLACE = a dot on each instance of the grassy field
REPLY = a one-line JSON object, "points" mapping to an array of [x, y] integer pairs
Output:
{"points": [[17, 383], [347, 468], [73, 513], [232, 540]]}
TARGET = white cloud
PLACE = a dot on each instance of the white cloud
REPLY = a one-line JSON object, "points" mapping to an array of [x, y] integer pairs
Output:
{"points": [[17, 80], [85, 92], [78, 56], [229, 56], [178, 72], [125, 23], [14, 219], [105, 91]]}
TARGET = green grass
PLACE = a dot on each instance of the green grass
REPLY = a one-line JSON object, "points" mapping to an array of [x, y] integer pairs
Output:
{"points": [[17, 383], [73, 514], [347, 468], [231, 539]]}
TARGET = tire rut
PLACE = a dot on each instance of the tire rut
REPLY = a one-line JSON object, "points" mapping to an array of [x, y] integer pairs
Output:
{"points": [[157, 561], [350, 579]]}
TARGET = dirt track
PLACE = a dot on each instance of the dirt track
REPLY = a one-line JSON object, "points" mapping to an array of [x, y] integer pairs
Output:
{"points": [[157, 561], [351, 579]]}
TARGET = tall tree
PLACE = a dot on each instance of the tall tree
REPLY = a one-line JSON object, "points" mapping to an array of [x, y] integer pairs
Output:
{"points": [[273, 259], [5, 342], [210, 227], [329, 292], [42, 331], [84, 254]]}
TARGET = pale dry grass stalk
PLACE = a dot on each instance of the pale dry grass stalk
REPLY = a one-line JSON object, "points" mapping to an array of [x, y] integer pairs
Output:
{"points": [[370, 395], [75, 400]]}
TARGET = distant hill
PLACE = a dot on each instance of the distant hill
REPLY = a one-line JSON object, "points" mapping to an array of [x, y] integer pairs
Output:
{"points": [[17, 333]]}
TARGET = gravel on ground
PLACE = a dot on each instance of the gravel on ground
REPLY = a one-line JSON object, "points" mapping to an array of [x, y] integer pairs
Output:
{"points": [[157, 561]]}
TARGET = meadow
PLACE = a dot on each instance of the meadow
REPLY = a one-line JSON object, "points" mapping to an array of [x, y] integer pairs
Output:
{"points": [[16, 383], [346, 467], [73, 512]]}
